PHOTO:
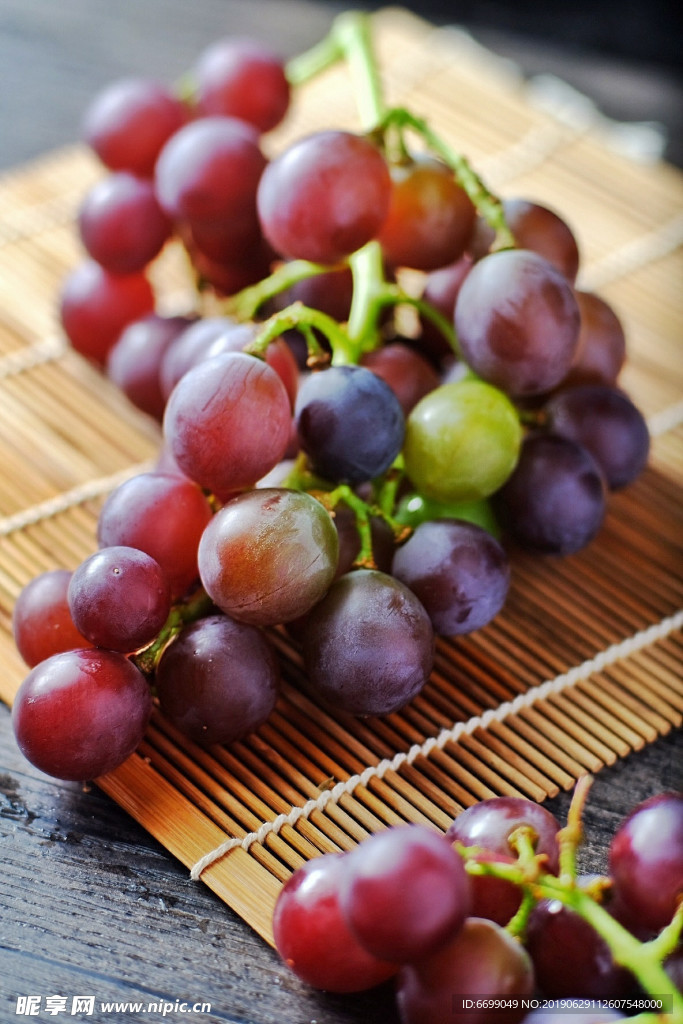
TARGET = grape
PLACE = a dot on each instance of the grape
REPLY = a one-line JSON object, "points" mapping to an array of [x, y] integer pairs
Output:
{"points": [[190, 348], [41, 619], [414, 509], [459, 572], [462, 441], [481, 962], [440, 290], [133, 515], [81, 713], [368, 646], [324, 197], [382, 538], [405, 892], [119, 598], [236, 337], [95, 306], [128, 122], [312, 937], [493, 898], [517, 322], [330, 291], [601, 350], [556, 936], [554, 501], [224, 242], [409, 375], [430, 216], [218, 680], [268, 555], [242, 78], [228, 422], [209, 170], [607, 423], [134, 362], [121, 223], [646, 859], [489, 824], [349, 422], [534, 227]]}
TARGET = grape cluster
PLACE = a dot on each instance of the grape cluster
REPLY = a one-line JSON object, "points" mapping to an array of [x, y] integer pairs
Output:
{"points": [[471, 923], [395, 380]]}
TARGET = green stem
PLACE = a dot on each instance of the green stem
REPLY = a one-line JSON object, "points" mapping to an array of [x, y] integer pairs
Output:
{"points": [[299, 316], [369, 291], [246, 303], [180, 615], [487, 204]]}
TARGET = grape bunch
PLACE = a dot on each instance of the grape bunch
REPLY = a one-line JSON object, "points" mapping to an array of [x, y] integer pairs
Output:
{"points": [[478, 923], [387, 380]]}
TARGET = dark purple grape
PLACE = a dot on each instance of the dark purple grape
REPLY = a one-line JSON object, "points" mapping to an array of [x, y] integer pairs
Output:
{"points": [[557, 936], [459, 572], [646, 860], [517, 322], [489, 824], [607, 423], [368, 646], [555, 499], [218, 680], [312, 937], [119, 598], [404, 893], [81, 713], [349, 422], [482, 961], [601, 350], [409, 375]]}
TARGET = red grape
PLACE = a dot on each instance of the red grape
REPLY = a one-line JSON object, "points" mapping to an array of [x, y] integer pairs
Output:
{"points": [[134, 362], [41, 619], [242, 78], [324, 197], [312, 936], [81, 713], [430, 216], [489, 824], [133, 515], [646, 859], [228, 422], [95, 306], [404, 893], [121, 223], [129, 121], [482, 963]]}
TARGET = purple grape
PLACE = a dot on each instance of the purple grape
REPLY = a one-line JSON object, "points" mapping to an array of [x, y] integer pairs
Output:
{"points": [[218, 680], [349, 422], [459, 572], [555, 499]]}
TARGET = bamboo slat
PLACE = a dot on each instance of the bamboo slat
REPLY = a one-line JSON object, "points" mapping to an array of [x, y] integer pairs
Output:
{"points": [[582, 666]]}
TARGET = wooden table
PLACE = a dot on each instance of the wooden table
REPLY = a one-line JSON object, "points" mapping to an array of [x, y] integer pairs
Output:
{"points": [[90, 904]]}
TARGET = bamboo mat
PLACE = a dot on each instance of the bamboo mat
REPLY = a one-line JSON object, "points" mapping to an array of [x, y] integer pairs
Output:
{"points": [[583, 665]]}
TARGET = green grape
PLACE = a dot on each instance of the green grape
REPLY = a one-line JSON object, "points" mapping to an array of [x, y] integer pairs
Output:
{"points": [[414, 509], [462, 441]]}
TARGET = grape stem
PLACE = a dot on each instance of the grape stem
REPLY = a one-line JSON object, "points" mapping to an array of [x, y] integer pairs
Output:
{"points": [[195, 607], [643, 959]]}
